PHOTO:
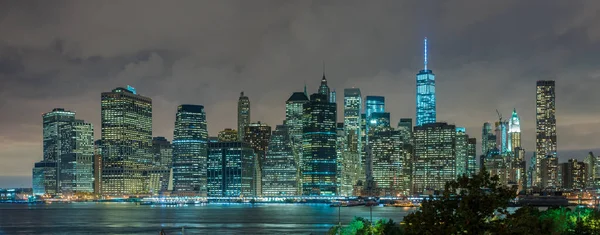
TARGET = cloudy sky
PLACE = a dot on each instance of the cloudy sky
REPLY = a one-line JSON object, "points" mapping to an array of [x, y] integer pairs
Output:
{"points": [[486, 55]]}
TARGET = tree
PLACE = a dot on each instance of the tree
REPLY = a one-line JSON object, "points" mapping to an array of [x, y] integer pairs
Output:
{"points": [[467, 206], [362, 226]]}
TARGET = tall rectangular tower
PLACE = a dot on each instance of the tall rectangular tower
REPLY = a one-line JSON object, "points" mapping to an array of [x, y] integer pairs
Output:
{"points": [[545, 127], [243, 115], [126, 141], [319, 161], [190, 145], [426, 105]]}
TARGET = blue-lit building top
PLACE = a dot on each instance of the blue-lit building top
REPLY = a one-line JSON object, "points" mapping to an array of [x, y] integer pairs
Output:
{"points": [[374, 104], [426, 105]]}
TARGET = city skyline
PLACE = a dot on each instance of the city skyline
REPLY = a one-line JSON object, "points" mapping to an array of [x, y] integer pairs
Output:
{"points": [[472, 81]]}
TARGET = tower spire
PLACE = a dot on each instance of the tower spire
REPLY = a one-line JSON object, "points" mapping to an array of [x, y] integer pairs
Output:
{"points": [[425, 53], [323, 69]]}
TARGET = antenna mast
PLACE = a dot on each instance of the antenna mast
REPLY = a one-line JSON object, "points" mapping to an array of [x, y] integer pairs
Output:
{"points": [[425, 52]]}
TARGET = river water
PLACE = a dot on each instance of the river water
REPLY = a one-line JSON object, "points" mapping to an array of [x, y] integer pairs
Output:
{"points": [[128, 218]]}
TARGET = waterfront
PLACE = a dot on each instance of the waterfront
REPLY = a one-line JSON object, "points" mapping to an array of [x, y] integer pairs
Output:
{"points": [[129, 218]]}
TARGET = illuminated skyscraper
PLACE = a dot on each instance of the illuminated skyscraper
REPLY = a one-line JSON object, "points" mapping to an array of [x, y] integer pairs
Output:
{"points": [[351, 165], [279, 174], [257, 135], [488, 138], [126, 141], [514, 132], [426, 104], [58, 133], [574, 175], [228, 135], [243, 115], [230, 170], [324, 89], [190, 139], [374, 104], [435, 156], [545, 127], [319, 161], [68, 147], [388, 163], [294, 120], [462, 149], [472, 157], [502, 138]]}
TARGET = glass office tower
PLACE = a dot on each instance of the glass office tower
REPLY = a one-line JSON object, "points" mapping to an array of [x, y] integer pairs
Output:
{"points": [[319, 161], [426, 102], [190, 139]]}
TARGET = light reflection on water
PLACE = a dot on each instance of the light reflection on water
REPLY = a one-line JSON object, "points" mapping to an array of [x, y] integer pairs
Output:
{"points": [[125, 218]]}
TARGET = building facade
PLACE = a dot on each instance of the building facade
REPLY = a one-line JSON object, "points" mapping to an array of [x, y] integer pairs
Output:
{"points": [[279, 173], [488, 138], [574, 175], [190, 143], [435, 157], [319, 159], [545, 127], [243, 115], [230, 170], [258, 135], [126, 141]]}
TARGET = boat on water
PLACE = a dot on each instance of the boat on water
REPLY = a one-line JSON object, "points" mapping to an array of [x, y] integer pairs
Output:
{"points": [[403, 203], [349, 203]]}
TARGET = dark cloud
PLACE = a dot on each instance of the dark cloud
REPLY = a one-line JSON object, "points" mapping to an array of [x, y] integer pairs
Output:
{"points": [[487, 55]]}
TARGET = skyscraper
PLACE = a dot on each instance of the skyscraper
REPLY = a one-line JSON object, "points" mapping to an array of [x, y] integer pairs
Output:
{"points": [[351, 165], [374, 104], [388, 156], [257, 135], [58, 133], [574, 175], [514, 132], [435, 156], [126, 141], [230, 170], [324, 89], [426, 104], [488, 138], [190, 139], [545, 126], [472, 157], [69, 147], [243, 115], [319, 161], [279, 176], [76, 168], [502, 138], [462, 149], [294, 120]]}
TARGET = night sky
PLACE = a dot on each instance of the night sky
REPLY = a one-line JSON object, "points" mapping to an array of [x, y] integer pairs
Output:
{"points": [[486, 55]]}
